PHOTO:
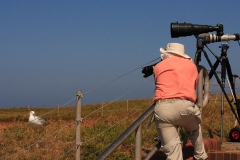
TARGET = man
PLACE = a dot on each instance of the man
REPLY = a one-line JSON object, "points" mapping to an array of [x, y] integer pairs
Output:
{"points": [[176, 78]]}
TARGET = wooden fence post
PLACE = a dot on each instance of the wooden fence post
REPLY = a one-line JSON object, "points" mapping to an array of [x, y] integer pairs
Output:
{"points": [[58, 110], [78, 124], [102, 108]]}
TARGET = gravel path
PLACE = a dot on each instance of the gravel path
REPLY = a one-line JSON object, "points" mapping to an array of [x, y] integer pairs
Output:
{"points": [[230, 146]]}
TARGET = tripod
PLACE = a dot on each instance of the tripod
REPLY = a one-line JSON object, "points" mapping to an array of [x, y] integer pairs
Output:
{"points": [[225, 66], [234, 76]]}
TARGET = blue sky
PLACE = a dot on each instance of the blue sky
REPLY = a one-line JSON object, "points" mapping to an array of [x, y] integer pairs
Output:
{"points": [[51, 49]]}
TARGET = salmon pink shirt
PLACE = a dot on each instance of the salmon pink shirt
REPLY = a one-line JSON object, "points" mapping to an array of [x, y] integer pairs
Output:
{"points": [[175, 77]]}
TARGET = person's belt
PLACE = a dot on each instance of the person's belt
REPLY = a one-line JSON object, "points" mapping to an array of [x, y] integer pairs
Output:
{"points": [[170, 100]]}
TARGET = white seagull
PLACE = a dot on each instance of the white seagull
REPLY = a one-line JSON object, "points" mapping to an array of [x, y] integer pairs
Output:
{"points": [[36, 120]]}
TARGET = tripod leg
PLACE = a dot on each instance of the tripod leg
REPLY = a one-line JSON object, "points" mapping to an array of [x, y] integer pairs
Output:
{"points": [[235, 123], [197, 57], [230, 76], [223, 71], [214, 69], [223, 76]]}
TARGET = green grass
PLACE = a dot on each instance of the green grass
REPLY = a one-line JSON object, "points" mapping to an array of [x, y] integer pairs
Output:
{"points": [[99, 129]]}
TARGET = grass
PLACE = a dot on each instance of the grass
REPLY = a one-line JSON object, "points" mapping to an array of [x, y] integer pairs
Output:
{"points": [[98, 129]]}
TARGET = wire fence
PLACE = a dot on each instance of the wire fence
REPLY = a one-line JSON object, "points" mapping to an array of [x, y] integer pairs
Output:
{"points": [[44, 136]]}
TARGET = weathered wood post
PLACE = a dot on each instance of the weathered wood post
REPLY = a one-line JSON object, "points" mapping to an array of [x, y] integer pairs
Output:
{"points": [[78, 124], [102, 108], [58, 110]]}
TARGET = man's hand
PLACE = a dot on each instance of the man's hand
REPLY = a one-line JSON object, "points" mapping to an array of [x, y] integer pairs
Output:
{"points": [[147, 71]]}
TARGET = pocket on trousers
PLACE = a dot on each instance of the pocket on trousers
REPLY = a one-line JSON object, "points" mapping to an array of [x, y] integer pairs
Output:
{"points": [[187, 111], [192, 110]]}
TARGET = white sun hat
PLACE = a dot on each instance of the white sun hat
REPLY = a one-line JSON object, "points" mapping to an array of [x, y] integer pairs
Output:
{"points": [[175, 48]]}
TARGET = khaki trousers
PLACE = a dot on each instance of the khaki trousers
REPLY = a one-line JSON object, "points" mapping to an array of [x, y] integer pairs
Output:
{"points": [[171, 114]]}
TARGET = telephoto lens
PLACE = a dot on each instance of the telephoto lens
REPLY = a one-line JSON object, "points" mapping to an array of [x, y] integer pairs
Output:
{"points": [[188, 29]]}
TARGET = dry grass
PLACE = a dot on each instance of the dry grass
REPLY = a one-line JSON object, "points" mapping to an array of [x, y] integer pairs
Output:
{"points": [[19, 140]]}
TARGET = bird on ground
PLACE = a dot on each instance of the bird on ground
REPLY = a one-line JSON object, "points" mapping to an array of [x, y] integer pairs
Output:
{"points": [[36, 120]]}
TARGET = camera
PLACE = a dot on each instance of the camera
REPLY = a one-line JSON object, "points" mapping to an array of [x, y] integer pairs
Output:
{"points": [[188, 29], [201, 32]]}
